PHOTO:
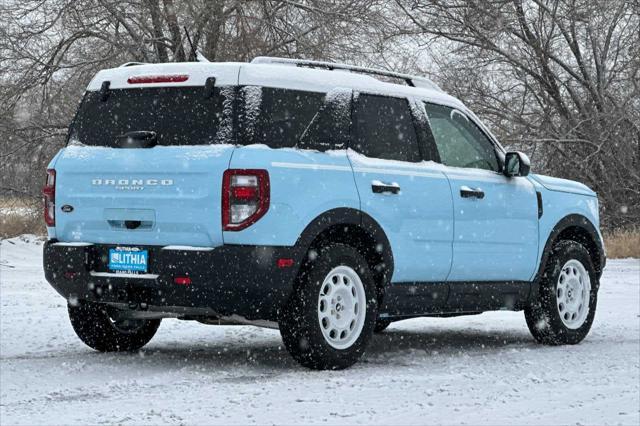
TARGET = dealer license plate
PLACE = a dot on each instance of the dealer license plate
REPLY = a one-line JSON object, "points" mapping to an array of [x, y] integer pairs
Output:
{"points": [[128, 259]]}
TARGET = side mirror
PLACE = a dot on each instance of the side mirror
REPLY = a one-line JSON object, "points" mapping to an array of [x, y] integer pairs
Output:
{"points": [[516, 163]]}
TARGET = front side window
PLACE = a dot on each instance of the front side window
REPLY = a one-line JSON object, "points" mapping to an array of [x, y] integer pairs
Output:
{"points": [[459, 141], [384, 129]]}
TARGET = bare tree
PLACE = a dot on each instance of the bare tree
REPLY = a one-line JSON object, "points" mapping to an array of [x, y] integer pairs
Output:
{"points": [[50, 49], [557, 78]]}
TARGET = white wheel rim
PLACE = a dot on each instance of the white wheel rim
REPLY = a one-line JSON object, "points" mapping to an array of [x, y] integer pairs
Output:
{"points": [[341, 307], [573, 293]]}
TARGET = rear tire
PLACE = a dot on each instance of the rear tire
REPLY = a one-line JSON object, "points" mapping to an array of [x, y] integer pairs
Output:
{"points": [[329, 319], [94, 325], [567, 299]]}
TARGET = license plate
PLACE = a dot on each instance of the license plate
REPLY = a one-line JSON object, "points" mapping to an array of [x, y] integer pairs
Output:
{"points": [[128, 259]]}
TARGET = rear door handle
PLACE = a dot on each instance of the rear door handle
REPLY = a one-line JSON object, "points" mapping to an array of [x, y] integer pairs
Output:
{"points": [[466, 192], [383, 187]]}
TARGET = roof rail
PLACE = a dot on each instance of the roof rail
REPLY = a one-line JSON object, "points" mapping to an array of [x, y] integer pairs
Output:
{"points": [[411, 80], [131, 64]]}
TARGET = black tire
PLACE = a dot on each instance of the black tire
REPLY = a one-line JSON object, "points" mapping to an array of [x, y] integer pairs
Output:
{"points": [[543, 317], [300, 323], [381, 325], [93, 324]]}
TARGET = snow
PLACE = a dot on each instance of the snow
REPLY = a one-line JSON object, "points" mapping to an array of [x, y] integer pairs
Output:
{"points": [[483, 369], [187, 248], [563, 185], [72, 244], [123, 274], [225, 128], [197, 152], [78, 151], [267, 75], [416, 80], [274, 75], [252, 96], [225, 73], [18, 211], [320, 80], [395, 164]]}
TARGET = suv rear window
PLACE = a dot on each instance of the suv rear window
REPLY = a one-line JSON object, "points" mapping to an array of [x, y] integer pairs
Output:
{"points": [[178, 115]]}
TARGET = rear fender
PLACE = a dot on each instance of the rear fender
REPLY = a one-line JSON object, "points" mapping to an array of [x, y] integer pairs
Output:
{"points": [[304, 185], [345, 225]]}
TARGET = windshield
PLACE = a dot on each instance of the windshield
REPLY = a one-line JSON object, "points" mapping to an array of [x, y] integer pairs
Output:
{"points": [[178, 115]]}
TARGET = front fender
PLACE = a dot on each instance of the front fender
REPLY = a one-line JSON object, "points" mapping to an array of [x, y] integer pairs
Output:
{"points": [[588, 233]]}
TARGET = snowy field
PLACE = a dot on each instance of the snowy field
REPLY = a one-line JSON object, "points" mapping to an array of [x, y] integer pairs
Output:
{"points": [[483, 369]]}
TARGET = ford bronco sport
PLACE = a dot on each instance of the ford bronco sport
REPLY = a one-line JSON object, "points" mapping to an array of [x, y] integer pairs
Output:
{"points": [[322, 199]]}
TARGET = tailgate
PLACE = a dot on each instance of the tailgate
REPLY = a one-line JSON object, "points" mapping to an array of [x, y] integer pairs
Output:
{"points": [[166, 195]]}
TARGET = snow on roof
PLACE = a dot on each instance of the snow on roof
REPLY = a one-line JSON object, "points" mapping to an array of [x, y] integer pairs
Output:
{"points": [[411, 80], [263, 74], [320, 80], [226, 73]]}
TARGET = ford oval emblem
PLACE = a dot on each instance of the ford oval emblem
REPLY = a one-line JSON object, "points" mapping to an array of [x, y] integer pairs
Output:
{"points": [[67, 208]]}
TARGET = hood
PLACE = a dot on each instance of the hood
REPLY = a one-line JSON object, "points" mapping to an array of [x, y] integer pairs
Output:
{"points": [[563, 185]]}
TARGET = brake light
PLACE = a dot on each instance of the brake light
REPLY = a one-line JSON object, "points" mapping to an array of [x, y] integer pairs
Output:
{"points": [[182, 281], [147, 79], [49, 193], [284, 263], [245, 198]]}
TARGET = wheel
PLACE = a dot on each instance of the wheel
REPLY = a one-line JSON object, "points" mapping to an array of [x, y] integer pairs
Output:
{"points": [[567, 299], [381, 325], [100, 328], [329, 319]]}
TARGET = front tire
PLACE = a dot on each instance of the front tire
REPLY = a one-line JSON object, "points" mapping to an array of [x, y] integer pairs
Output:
{"points": [[568, 295], [329, 319], [99, 328]]}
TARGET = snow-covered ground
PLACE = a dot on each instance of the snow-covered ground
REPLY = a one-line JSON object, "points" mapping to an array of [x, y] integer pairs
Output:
{"points": [[483, 369], [21, 211]]}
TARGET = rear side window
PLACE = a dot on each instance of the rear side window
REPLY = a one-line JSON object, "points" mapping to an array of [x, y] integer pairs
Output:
{"points": [[330, 127], [384, 129], [178, 115], [277, 117]]}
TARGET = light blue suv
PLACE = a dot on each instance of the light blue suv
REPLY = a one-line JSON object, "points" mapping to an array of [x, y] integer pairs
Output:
{"points": [[318, 198]]}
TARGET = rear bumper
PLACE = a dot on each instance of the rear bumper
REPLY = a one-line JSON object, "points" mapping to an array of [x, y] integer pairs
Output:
{"points": [[227, 280]]}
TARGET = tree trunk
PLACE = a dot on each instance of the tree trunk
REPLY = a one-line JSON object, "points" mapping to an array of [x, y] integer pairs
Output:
{"points": [[174, 29]]}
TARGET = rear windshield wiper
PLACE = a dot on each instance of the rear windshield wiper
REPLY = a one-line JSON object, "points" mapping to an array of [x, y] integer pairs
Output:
{"points": [[137, 139], [104, 91]]}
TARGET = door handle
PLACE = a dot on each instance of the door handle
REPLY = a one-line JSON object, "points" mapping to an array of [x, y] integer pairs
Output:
{"points": [[466, 192], [383, 187]]}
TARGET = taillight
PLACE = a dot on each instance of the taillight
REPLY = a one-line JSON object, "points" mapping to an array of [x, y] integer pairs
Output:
{"points": [[245, 198], [49, 193]]}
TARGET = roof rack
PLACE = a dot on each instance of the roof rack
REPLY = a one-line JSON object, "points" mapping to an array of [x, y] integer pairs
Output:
{"points": [[131, 64], [411, 80]]}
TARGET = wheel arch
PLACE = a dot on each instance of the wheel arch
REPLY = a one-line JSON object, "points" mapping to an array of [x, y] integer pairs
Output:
{"points": [[357, 229], [578, 228]]}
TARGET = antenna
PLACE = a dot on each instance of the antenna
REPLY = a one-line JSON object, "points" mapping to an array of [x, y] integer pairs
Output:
{"points": [[193, 55]]}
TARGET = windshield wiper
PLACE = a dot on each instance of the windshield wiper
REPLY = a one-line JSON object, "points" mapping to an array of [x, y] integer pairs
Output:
{"points": [[137, 139]]}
